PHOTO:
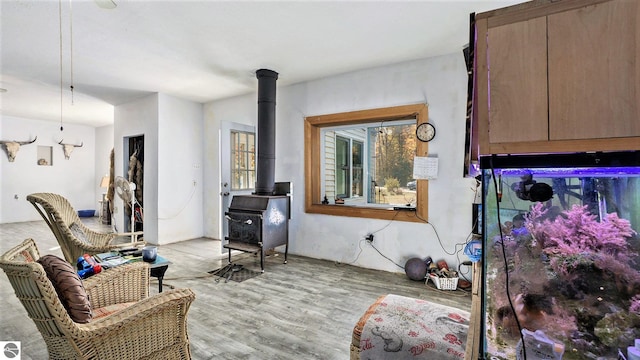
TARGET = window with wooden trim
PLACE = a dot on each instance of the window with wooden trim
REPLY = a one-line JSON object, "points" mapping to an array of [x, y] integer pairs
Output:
{"points": [[360, 164]]}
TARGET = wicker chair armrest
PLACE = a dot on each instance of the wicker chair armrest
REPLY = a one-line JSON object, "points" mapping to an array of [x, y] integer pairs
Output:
{"points": [[85, 248], [97, 238], [124, 283], [127, 245], [125, 334], [129, 233]]}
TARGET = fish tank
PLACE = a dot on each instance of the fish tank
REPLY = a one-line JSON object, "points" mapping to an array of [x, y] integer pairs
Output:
{"points": [[561, 270]]}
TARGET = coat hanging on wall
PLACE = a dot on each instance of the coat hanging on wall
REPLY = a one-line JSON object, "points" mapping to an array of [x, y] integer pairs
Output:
{"points": [[136, 176]]}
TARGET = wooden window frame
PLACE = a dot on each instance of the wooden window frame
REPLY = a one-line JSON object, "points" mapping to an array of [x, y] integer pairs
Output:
{"points": [[312, 167]]}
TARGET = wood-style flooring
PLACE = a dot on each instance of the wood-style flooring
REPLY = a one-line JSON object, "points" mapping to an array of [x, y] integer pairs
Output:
{"points": [[305, 309]]}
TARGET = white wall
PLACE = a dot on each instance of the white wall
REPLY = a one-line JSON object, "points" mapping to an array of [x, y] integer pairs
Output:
{"points": [[440, 82], [173, 156], [74, 178], [104, 145], [241, 110], [139, 117], [180, 157], [2, 196]]}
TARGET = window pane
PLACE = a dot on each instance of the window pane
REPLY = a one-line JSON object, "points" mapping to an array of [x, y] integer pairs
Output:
{"points": [[342, 167], [242, 160], [370, 164], [320, 132], [252, 152], [357, 168]]}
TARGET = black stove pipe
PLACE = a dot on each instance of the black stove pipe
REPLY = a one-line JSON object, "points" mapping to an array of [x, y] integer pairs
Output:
{"points": [[265, 168]]}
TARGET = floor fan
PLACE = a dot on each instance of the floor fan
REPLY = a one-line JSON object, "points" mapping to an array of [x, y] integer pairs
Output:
{"points": [[126, 191]]}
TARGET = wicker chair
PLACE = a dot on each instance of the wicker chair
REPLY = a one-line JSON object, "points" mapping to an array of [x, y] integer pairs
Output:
{"points": [[75, 239], [148, 327]]}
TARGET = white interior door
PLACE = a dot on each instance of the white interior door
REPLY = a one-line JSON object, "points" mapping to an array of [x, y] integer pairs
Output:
{"points": [[238, 166]]}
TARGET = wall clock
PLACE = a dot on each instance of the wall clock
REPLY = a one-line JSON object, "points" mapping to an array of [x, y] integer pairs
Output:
{"points": [[425, 132]]}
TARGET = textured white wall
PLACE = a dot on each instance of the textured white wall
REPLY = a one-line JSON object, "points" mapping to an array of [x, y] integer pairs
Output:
{"points": [[104, 145], [180, 156], [241, 110], [139, 117], [173, 152], [74, 178], [440, 82]]}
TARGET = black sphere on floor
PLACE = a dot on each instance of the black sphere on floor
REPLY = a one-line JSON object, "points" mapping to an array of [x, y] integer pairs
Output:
{"points": [[416, 269]]}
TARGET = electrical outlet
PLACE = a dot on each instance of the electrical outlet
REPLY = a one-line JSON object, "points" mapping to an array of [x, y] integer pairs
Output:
{"points": [[369, 238]]}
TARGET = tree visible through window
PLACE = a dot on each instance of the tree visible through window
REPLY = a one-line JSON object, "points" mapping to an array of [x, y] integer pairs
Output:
{"points": [[380, 154], [243, 160], [364, 159]]}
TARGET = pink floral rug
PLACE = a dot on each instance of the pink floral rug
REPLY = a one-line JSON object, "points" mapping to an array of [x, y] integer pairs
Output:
{"points": [[408, 328]]}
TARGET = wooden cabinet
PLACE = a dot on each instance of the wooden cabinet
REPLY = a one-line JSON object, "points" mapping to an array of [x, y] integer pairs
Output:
{"points": [[560, 76]]}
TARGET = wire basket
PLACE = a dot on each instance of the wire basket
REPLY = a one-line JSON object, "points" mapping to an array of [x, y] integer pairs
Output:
{"points": [[444, 283]]}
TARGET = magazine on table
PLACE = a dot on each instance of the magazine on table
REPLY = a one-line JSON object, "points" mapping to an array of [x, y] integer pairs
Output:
{"points": [[111, 259]]}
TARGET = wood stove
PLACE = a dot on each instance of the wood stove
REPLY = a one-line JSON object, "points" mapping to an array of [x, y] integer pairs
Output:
{"points": [[258, 223]]}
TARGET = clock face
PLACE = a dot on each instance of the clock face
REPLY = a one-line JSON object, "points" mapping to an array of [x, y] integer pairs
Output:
{"points": [[425, 132]]}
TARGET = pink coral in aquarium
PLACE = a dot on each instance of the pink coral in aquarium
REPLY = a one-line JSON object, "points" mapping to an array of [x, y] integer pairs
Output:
{"points": [[577, 244], [635, 305], [591, 271], [577, 231]]}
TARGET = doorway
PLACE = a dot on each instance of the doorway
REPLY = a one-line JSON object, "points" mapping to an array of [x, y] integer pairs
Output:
{"points": [[134, 173], [238, 167]]}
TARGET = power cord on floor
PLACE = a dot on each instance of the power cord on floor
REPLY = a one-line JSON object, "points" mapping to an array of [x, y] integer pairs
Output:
{"points": [[337, 263], [455, 247], [386, 257]]}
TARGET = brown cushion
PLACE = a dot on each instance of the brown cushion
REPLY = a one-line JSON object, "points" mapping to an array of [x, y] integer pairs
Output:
{"points": [[69, 287]]}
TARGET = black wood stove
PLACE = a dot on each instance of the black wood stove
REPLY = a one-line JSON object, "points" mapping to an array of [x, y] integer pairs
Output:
{"points": [[260, 221]]}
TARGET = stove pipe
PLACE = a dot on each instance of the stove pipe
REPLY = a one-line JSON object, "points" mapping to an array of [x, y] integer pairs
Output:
{"points": [[265, 171]]}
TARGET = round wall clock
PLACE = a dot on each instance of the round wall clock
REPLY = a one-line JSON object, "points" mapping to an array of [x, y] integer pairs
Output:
{"points": [[425, 132]]}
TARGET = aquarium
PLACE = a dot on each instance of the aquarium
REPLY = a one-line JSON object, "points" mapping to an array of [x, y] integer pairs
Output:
{"points": [[560, 255]]}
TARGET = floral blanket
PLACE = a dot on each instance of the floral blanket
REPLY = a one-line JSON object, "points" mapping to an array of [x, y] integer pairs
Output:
{"points": [[408, 328]]}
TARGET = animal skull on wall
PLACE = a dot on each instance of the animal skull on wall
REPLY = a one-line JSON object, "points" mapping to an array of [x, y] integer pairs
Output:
{"points": [[68, 148], [12, 147]]}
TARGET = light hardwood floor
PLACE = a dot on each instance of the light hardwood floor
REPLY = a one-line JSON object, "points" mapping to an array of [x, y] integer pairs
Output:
{"points": [[305, 309]]}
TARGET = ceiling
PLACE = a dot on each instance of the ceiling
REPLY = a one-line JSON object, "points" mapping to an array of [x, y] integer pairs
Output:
{"points": [[203, 50]]}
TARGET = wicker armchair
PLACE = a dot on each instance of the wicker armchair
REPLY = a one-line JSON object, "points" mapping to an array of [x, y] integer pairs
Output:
{"points": [[148, 327], [75, 239]]}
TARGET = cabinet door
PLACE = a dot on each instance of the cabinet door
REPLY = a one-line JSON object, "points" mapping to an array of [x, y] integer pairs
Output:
{"points": [[517, 66], [594, 71]]}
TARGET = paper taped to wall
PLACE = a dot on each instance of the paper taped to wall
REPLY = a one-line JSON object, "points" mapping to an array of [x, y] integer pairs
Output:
{"points": [[425, 167]]}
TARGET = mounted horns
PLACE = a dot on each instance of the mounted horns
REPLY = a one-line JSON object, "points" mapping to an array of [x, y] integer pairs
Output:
{"points": [[12, 147], [68, 148]]}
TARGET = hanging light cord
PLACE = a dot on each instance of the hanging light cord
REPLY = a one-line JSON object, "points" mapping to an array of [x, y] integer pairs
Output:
{"points": [[60, 17], [71, 47], [70, 57]]}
